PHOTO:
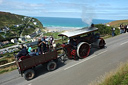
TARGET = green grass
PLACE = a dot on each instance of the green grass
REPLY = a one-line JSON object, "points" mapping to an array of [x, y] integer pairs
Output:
{"points": [[8, 69], [118, 76], [54, 34], [7, 59], [107, 36], [3, 71]]}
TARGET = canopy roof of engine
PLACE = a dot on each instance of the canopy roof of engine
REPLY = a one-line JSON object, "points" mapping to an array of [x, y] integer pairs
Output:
{"points": [[78, 32]]}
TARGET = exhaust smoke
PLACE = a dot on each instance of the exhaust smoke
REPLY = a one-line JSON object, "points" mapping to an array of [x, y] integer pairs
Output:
{"points": [[87, 15]]}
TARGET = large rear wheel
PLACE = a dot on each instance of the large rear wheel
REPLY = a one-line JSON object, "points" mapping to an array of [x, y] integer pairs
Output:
{"points": [[83, 50]]}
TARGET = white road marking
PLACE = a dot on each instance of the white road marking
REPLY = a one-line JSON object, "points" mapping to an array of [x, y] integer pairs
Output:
{"points": [[30, 84], [124, 43], [88, 58], [102, 52], [79, 62]]}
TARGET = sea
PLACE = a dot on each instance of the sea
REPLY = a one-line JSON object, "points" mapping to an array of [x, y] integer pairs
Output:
{"points": [[68, 22]]}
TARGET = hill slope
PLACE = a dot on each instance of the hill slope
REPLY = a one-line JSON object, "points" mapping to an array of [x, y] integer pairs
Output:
{"points": [[9, 19], [118, 22], [18, 25]]}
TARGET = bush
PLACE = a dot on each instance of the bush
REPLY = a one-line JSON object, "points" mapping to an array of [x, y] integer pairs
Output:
{"points": [[117, 31], [105, 30]]}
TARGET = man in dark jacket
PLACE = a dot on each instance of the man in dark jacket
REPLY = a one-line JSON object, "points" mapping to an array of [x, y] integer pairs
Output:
{"points": [[39, 44], [23, 52], [44, 44]]}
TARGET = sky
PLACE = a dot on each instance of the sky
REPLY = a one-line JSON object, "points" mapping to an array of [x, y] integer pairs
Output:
{"points": [[85, 9]]}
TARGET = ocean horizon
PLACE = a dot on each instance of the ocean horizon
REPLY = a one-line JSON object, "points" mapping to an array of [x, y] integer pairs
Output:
{"points": [[68, 22]]}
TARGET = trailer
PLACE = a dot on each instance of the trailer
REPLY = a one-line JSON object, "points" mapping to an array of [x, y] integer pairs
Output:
{"points": [[26, 65]]}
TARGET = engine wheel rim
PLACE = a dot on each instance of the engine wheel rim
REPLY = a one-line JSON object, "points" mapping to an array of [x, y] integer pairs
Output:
{"points": [[83, 51], [101, 43]]}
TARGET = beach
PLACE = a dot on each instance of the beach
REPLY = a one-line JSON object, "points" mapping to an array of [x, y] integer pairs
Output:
{"points": [[59, 29]]}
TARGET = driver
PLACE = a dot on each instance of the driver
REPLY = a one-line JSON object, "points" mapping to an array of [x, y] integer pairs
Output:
{"points": [[73, 42]]}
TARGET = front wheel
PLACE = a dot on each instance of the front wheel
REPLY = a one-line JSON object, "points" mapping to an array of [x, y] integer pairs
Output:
{"points": [[52, 65], [29, 74], [102, 43]]}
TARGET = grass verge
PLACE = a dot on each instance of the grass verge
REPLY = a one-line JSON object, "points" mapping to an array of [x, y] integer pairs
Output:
{"points": [[7, 59], [107, 36], [118, 76], [8, 69]]}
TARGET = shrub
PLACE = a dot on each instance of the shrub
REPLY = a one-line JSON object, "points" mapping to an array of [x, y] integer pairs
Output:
{"points": [[105, 30], [117, 31]]}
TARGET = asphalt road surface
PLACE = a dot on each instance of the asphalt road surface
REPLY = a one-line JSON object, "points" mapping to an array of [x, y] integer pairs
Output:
{"points": [[80, 72]]}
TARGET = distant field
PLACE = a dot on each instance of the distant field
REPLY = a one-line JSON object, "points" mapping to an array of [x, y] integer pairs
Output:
{"points": [[118, 22]]}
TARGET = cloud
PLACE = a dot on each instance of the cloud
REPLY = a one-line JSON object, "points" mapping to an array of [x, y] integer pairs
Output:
{"points": [[59, 14], [104, 4], [62, 8], [49, 6], [19, 7], [1, 1]]}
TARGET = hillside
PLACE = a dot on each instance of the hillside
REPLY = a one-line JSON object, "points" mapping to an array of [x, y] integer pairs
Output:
{"points": [[8, 19], [118, 22], [13, 25]]}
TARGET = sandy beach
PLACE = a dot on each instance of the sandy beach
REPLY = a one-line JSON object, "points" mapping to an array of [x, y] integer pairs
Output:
{"points": [[59, 29]]}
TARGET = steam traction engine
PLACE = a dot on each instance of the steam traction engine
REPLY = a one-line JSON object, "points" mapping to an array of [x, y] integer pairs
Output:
{"points": [[80, 41]]}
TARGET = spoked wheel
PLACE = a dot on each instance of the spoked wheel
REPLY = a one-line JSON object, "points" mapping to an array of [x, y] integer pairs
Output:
{"points": [[29, 74], [102, 43], [83, 50], [52, 65]]}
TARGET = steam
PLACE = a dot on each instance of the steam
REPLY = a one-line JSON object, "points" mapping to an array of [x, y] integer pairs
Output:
{"points": [[87, 15]]}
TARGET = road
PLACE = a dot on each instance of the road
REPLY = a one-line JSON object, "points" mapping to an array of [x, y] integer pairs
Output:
{"points": [[80, 72], [14, 46]]}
